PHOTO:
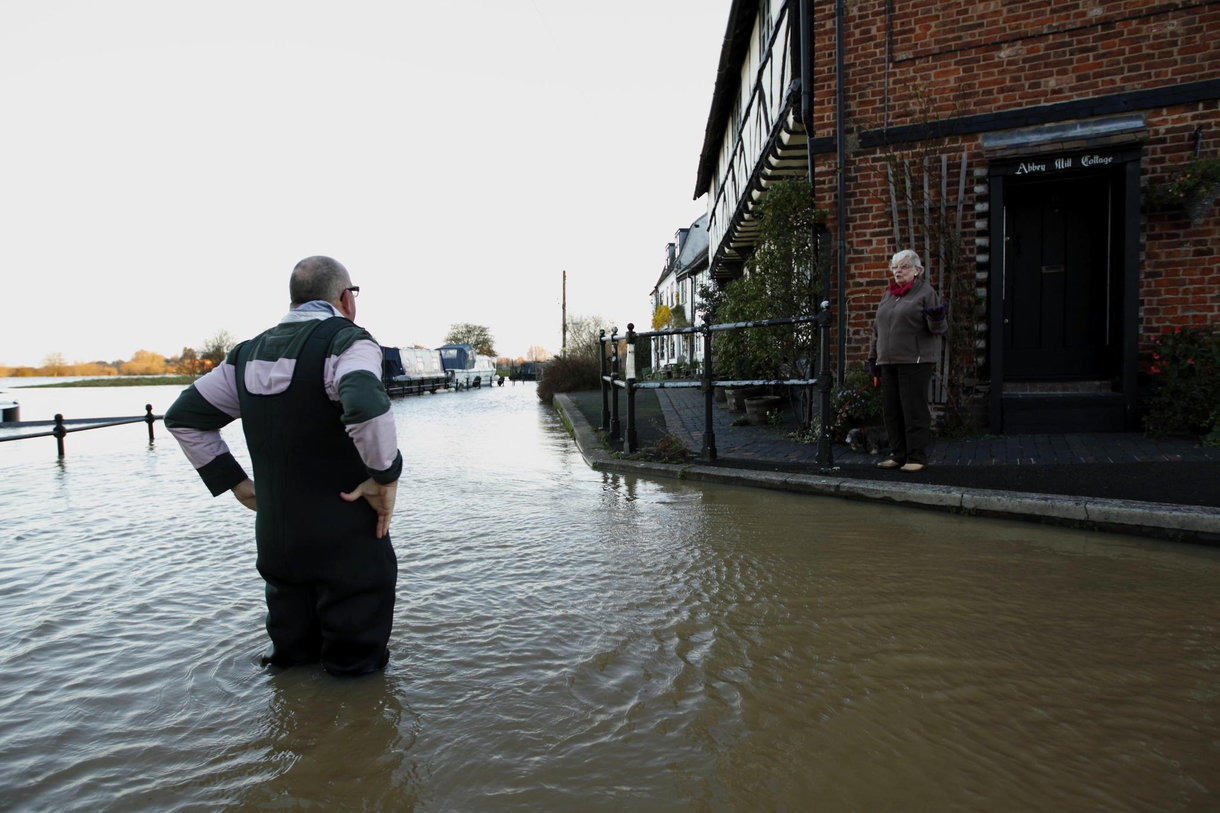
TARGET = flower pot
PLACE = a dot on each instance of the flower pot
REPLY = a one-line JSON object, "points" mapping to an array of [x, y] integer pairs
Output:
{"points": [[757, 408], [736, 397], [1198, 203], [718, 394]]}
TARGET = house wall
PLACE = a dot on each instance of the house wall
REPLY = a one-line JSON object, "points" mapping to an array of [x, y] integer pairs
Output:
{"points": [[764, 79], [671, 291], [958, 59]]}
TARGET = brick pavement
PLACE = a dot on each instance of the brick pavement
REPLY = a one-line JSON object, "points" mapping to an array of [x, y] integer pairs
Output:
{"points": [[683, 410]]}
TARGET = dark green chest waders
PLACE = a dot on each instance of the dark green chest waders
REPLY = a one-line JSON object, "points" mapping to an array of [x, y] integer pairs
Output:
{"points": [[330, 582]]}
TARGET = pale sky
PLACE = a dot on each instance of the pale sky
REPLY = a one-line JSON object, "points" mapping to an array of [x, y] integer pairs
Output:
{"points": [[165, 164]]}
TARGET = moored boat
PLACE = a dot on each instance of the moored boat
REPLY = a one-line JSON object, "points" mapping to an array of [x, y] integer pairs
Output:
{"points": [[465, 367]]}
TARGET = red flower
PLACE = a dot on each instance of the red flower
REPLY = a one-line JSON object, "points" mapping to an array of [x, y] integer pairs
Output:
{"points": [[1155, 369], [1190, 361]]}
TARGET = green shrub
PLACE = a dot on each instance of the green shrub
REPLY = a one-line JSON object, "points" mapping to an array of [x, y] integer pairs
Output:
{"points": [[855, 403], [568, 374], [1194, 177], [1187, 362], [1212, 438]]}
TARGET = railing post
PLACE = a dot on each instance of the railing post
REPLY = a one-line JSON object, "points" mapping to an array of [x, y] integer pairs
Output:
{"points": [[615, 434], [149, 419], [601, 365], [709, 433], [631, 435], [825, 453], [59, 431]]}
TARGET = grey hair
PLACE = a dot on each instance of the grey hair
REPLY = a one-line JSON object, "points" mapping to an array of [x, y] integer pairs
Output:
{"points": [[317, 278], [907, 254]]}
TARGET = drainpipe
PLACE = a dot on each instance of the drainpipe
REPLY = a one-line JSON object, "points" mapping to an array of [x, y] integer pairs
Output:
{"points": [[841, 190], [825, 455]]}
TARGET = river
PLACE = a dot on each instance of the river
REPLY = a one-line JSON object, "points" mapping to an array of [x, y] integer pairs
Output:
{"points": [[569, 640]]}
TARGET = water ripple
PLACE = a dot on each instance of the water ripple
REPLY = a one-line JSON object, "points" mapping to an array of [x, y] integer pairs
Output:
{"points": [[566, 639]]}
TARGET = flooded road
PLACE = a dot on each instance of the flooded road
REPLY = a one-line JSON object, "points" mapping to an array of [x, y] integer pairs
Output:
{"points": [[568, 640]]}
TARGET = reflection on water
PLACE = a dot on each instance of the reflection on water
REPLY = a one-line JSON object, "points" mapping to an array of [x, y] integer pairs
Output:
{"points": [[567, 639]]}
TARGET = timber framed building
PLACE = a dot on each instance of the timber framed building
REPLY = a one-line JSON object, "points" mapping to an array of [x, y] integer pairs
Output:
{"points": [[1012, 145]]}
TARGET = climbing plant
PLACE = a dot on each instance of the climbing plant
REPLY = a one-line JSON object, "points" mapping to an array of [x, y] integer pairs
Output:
{"points": [[779, 281]]}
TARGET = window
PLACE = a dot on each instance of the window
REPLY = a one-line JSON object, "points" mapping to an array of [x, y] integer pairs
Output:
{"points": [[765, 25]]}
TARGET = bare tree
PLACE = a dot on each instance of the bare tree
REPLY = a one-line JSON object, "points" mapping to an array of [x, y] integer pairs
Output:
{"points": [[54, 363], [583, 334], [216, 348]]}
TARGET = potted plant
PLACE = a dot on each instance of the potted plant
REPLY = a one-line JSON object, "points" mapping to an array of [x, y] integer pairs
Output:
{"points": [[1194, 186], [759, 408]]}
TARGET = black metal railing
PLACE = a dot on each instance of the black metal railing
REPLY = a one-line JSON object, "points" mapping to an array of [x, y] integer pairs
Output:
{"points": [[61, 427], [613, 381]]}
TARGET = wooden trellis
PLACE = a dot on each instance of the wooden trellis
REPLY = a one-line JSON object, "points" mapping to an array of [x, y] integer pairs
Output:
{"points": [[935, 270]]}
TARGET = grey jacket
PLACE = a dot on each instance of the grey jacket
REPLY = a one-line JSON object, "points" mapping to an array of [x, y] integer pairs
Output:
{"points": [[901, 333]]}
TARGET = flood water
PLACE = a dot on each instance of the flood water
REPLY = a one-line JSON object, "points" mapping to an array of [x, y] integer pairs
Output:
{"points": [[568, 640]]}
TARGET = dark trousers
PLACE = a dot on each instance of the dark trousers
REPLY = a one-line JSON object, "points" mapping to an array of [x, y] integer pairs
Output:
{"points": [[347, 627], [904, 403]]}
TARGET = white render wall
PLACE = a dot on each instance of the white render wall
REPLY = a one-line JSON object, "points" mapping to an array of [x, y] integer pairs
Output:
{"points": [[765, 77]]}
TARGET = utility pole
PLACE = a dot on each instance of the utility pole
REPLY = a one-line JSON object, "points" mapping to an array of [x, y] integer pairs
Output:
{"points": [[563, 347]]}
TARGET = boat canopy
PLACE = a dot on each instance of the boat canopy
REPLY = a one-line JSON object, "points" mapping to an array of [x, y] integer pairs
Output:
{"points": [[391, 362], [457, 356]]}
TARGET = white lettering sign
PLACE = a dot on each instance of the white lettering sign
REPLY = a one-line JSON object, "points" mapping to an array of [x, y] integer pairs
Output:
{"points": [[1064, 163]]}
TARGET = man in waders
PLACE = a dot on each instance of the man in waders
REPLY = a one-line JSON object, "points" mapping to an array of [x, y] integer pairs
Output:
{"points": [[318, 425]]}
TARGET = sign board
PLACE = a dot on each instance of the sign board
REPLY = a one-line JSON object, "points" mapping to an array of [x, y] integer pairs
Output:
{"points": [[1055, 163]]}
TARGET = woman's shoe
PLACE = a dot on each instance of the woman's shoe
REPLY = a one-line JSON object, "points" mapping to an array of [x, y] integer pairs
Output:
{"points": [[913, 467], [889, 464]]}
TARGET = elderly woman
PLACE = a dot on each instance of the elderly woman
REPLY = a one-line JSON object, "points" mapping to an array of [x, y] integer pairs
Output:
{"points": [[906, 340]]}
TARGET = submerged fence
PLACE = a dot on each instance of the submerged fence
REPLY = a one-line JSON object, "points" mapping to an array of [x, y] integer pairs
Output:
{"points": [[61, 427], [613, 380]]}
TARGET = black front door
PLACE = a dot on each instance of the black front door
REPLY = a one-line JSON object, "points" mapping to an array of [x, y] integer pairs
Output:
{"points": [[1058, 294]]}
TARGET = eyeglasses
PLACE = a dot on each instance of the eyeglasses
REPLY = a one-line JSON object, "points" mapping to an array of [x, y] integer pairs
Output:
{"points": [[355, 291]]}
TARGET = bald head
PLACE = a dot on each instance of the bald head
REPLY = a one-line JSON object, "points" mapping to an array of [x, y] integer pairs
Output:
{"points": [[317, 278]]}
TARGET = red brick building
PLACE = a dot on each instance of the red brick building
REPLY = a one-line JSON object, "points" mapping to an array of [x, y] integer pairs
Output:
{"points": [[1011, 143]]}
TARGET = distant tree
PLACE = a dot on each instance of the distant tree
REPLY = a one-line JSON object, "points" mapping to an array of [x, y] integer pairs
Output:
{"points": [[216, 348], [54, 364], [188, 362], [477, 336], [537, 353], [92, 368], [144, 362]]}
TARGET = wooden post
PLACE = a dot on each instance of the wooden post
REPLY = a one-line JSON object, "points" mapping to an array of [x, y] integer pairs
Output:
{"points": [[889, 169], [150, 420]]}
